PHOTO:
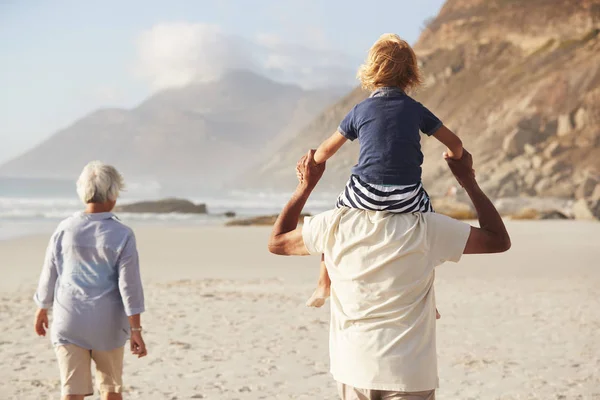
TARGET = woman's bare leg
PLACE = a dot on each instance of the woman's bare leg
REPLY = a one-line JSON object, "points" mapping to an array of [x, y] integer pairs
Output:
{"points": [[323, 287], [112, 396]]}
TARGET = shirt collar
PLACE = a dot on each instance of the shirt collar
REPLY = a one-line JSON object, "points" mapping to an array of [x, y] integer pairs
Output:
{"points": [[387, 91], [95, 216]]}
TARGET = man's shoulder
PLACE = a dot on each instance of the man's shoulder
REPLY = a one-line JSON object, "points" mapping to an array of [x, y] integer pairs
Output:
{"points": [[343, 213], [342, 216], [322, 216], [319, 227], [432, 218], [429, 225], [443, 223], [446, 236]]}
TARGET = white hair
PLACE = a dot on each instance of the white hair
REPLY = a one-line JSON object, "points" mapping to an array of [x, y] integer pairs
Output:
{"points": [[99, 183]]}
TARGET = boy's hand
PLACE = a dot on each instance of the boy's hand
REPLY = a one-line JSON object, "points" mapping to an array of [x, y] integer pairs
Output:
{"points": [[455, 155]]}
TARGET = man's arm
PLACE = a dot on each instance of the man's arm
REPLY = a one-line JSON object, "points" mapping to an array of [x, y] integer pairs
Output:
{"points": [[491, 236], [286, 237]]}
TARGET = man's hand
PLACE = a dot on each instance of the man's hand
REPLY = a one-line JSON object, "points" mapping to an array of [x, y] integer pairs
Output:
{"points": [[286, 237], [308, 171], [299, 174], [462, 168], [41, 322], [138, 347]]}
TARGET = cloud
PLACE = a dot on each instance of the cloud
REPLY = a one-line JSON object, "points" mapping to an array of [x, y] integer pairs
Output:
{"points": [[176, 54], [179, 53], [310, 66]]}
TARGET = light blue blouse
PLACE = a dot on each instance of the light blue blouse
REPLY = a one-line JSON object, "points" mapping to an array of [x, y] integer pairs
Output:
{"points": [[91, 279]]}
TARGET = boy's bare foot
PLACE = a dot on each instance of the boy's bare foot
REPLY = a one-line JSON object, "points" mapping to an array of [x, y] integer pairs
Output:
{"points": [[437, 314], [319, 296]]}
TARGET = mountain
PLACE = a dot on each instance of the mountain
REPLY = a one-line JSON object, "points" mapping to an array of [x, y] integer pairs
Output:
{"points": [[518, 81], [199, 135]]}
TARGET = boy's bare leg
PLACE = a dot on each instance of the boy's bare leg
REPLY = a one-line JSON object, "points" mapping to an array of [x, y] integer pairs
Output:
{"points": [[437, 314], [323, 287]]}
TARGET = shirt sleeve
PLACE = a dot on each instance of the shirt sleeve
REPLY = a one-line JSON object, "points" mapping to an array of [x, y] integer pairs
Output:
{"points": [[348, 126], [314, 232], [130, 281], [429, 122], [446, 238], [44, 296]]}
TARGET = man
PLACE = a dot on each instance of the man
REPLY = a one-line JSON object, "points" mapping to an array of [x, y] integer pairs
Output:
{"points": [[381, 265]]}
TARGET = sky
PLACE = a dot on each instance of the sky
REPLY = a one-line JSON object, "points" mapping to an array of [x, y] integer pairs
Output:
{"points": [[62, 59]]}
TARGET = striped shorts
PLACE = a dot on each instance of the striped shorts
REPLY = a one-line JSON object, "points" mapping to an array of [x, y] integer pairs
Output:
{"points": [[396, 199]]}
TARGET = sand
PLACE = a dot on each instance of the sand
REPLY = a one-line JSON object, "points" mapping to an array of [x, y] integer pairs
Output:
{"points": [[226, 320]]}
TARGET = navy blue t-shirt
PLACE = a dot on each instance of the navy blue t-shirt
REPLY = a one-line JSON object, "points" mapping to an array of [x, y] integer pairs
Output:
{"points": [[387, 126]]}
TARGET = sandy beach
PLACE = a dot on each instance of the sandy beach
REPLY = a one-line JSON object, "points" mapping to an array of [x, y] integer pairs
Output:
{"points": [[226, 320]]}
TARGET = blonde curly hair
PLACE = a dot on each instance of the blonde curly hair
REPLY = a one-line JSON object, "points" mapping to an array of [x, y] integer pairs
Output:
{"points": [[391, 62]]}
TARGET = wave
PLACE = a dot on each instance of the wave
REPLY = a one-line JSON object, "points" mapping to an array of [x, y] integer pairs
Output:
{"points": [[6, 202], [242, 203], [59, 215]]}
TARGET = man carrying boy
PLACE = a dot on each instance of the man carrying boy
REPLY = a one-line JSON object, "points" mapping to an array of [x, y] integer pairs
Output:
{"points": [[381, 265]]}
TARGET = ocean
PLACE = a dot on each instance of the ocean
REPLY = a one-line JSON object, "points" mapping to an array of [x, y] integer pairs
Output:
{"points": [[33, 206]]}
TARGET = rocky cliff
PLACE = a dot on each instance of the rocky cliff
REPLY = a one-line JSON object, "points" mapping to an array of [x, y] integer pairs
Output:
{"points": [[518, 81]]}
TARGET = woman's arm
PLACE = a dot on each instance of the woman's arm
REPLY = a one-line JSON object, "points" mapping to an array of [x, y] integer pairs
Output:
{"points": [[136, 342], [451, 141], [44, 296], [329, 147], [132, 294], [130, 281]]}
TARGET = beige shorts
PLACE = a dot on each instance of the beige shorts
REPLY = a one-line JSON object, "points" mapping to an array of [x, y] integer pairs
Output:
{"points": [[351, 393], [75, 364]]}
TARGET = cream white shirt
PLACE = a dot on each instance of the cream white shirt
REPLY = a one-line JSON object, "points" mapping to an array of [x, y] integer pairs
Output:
{"points": [[381, 265]]}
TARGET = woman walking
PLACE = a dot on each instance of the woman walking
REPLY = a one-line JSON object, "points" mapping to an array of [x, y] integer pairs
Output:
{"points": [[91, 280]]}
